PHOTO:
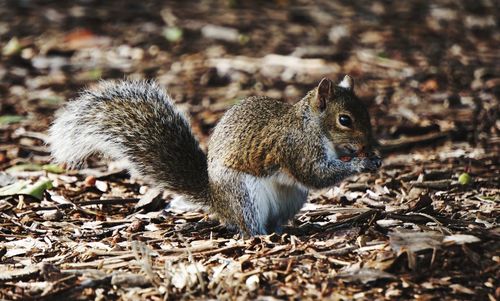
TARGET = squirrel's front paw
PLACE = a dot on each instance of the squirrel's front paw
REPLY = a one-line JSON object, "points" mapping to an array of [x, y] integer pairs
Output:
{"points": [[372, 163], [367, 164]]}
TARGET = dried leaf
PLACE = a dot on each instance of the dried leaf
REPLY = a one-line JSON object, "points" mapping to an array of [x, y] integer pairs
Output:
{"points": [[364, 275], [415, 241], [460, 239], [252, 282], [7, 274]]}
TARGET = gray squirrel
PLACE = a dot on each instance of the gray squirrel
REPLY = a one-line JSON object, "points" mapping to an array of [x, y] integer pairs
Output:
{"points": [[263, 156]]}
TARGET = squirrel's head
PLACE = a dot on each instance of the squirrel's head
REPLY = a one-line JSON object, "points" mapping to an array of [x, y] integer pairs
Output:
{"points": [[344, 119]]}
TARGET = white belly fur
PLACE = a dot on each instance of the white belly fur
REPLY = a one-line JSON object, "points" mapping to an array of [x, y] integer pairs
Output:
{"points": [[276, 199]]}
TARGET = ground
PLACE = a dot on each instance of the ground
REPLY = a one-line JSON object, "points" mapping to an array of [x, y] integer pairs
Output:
{"points": [[425, 227]]}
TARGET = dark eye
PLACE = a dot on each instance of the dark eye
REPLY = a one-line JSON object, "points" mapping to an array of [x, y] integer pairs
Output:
{"points": [[345, 120]]}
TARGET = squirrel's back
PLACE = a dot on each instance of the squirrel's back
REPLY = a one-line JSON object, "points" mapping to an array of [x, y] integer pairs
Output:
{"points": [[249, 135], [136, 121]]}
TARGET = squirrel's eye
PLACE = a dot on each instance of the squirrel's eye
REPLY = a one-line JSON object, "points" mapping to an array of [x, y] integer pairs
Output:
{"points": [[345, 120]]}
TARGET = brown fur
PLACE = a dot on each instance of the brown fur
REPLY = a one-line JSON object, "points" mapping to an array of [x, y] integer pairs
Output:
{"points": [[255, 136], [263, 156]]}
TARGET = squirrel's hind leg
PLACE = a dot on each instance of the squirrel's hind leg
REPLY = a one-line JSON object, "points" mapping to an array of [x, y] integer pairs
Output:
{"points": [[276, 199], [234, 201]]}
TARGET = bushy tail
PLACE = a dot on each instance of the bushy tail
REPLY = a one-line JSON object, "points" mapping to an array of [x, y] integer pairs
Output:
{"points": [[136, 121]]}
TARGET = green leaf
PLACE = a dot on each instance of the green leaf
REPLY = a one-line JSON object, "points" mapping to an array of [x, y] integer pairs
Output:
{"points": [[12, 47], [243, 39], [52, 101], [13, 189], [53, 168], [8, 119], [94, 74], [172, 33], [25, 167], [35, 190]]}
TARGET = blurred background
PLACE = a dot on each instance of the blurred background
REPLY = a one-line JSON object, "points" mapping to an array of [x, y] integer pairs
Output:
{"points": [[421, 66]]}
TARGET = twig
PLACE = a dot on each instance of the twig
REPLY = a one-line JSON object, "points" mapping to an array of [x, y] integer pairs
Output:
{"points": [[440, 184], [441, 227], [368, 215], [9, 218], [424, 219], [89, 203], [334, 252], [191, 259], [389, 146]]}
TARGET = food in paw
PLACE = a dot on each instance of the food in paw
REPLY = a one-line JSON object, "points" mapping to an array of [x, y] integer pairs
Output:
{"points": [[345, 158]]}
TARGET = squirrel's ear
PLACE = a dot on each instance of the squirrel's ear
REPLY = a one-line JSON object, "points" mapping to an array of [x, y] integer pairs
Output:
{"points": [[323, 94], [347, 83]]}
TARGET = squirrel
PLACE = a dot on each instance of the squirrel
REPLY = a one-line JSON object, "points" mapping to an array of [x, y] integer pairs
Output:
{"points": [[263, 156]]}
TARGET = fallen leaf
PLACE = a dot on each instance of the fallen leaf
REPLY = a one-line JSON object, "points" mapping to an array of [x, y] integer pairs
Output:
{"points": [[35, 190], [7, 274], [9, 119], [84, 38], [364, 275], [12, 47], [129, 280], [6, 179], [186, 275], [415, 241], [460, 239], [387, 223], [152, 200], [25, 167], [429, 85], [458, 288], [101, 186], [53, 168], [23, 246], [252, 282]]}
